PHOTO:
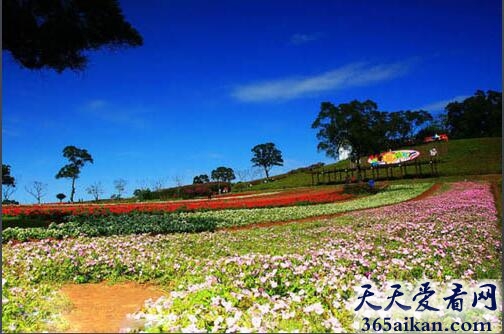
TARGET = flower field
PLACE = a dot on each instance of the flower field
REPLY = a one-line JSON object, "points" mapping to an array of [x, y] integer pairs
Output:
{"points": [[285, 198], [296, 277], [199, 221]]}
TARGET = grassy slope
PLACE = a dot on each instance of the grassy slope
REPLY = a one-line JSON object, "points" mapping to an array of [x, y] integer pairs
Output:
{"points": [[459, 158]]}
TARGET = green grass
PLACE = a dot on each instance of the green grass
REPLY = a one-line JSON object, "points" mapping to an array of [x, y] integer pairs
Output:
{"points": [[463, 157]]}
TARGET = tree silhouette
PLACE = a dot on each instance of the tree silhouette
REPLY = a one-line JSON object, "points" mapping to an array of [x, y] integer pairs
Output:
{"points": [[355, 126], [266, 156], [61, 197], [223, 174], [95, 190], [78, 158], [37, 189], [203, 178], [477, 116], [8, 182], [56, 34], [120, 186]]}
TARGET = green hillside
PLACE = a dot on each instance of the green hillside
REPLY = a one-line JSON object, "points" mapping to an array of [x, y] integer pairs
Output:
{"points": [[461, 157]]}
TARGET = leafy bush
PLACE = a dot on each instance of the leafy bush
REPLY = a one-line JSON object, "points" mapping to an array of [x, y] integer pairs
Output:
{"points": [[95, 225]]}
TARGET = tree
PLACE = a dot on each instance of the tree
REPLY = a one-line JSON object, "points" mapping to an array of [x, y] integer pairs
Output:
{"points": [[266, 156], [346, 126], [8, 182], [402, 125], [223, 174], [95, 190], [203, 178], [37, 190], [58, 34], [7, 178], [477, 116], [61, 197], [143, 194], [77, 158], [120, 186]]}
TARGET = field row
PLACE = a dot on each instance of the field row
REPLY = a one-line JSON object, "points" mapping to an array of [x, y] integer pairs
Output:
{"points": [[284, 198], [292, 277], [135, 223]]}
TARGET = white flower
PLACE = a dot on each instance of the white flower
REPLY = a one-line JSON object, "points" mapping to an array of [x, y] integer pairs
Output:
{"points": [[256, 322], [192, 328], [230, 321], [317, 308], [264, 308], [288, 315]]}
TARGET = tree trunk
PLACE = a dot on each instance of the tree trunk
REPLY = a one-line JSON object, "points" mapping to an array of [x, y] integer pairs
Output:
{"points": [[73, 190], [267, 174]]}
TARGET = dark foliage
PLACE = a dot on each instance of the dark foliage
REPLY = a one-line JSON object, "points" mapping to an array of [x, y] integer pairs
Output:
{"points": [[477, 116], [56, 34]]}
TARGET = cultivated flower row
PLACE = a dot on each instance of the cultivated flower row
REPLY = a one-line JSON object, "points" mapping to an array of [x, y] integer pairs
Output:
{"points": [[453, 235], [285, 278], [263, 200], [135, 223], [393, 194]]}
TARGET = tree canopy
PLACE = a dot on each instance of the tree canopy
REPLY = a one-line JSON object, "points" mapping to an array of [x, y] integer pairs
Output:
{"points": [[223, 174], [8, 184], [56, 34], [266, 156], [477, 116], [61, 197], [203, 178], [361, 128], [77, 158], [7, 178]]}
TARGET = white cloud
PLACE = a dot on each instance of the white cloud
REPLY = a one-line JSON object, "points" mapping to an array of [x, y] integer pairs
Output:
{"points": [[298, 39], [108, 112], [96, 104], [355, 74], [440, 105]]}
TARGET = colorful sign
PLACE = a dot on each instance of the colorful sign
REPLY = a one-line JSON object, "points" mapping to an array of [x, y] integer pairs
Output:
{"points": [[393, 157]]}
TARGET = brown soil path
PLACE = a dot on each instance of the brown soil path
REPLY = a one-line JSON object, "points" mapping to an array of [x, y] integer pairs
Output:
{"points": [[102, 308], [423, 195]]}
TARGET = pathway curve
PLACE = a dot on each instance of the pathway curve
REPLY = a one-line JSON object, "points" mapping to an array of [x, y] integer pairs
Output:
{"points": [[102, 308]]}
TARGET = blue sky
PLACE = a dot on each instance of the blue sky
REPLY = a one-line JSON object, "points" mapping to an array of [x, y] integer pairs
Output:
{"points": [[215, 78]]}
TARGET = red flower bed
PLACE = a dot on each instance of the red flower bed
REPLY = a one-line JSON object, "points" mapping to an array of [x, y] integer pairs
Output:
{"points": [[285, 198]]}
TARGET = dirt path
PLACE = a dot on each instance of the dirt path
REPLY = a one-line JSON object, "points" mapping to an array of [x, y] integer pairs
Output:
{"points": [[102, 308], [423, 195]]}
